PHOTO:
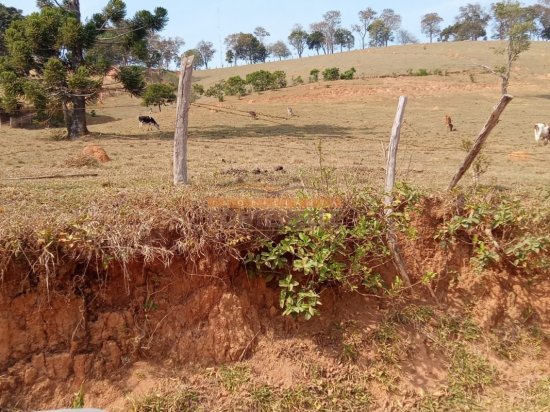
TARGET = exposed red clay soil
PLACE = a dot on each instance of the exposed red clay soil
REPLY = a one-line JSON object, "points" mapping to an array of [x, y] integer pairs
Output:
{"points": [[97, 152], [100, 330]]}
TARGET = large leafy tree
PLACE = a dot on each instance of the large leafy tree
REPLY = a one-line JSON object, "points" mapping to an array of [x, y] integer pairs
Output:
{"points": [[542, 18], [331, 22], [379, 34], [279, 49], [7, 15], [230, 57], [231, 45], [245, 46], [206, 49], [167, 49], [48, 61], [250, 49], [366, 17], [392, 21], [430, 25], [471, 22], [316, 40], [344, 38], [298, 39]]}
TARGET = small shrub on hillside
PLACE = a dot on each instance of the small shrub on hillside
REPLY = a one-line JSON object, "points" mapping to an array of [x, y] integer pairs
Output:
{"points": [[314, 75], [198, 89], [217, 91], [332, 73], [263, 80], [278, 79], [438, 72], [260, 80], [235, 86], [422, 72], [297, 81], [348, 75]]}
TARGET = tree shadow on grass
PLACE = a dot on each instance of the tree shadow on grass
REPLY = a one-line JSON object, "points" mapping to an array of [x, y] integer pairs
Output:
{"points": [[99, 119], [228, 132], [268, 131], [141, 135], [221, 133]]}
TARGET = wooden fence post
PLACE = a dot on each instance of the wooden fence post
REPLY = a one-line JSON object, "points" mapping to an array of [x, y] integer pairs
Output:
{"points": [[182, 120], [390, 181], [481, 138]]}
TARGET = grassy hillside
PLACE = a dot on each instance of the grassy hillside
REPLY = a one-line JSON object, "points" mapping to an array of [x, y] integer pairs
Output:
{"points": [[370, 62]]}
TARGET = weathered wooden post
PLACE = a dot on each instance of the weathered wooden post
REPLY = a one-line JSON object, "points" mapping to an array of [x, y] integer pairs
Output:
{"points": [[481, 138], [390, 181], [182, 120]]}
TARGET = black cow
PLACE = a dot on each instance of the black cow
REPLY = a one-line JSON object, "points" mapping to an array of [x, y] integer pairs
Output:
{"points": [[149, 121]]}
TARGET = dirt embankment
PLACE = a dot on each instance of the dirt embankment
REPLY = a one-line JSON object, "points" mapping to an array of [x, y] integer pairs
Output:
{"points": [[81, 327], [57, 336]]}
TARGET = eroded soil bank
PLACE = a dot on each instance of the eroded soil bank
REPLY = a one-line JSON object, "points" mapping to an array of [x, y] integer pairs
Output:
{"points": [[116, 334]]}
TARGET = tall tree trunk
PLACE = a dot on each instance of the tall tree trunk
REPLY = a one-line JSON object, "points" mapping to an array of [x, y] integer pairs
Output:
{"points": [[76, 126]]}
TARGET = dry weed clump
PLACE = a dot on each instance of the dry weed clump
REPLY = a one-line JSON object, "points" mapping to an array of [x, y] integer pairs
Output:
{"points": [[82, 160], [116, 226]]}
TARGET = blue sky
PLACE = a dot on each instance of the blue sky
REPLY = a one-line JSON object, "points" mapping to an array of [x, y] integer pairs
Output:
{"points": [[212, 20]]}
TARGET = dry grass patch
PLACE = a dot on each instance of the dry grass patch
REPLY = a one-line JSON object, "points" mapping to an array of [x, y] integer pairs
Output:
{"points": [[82, 160]]}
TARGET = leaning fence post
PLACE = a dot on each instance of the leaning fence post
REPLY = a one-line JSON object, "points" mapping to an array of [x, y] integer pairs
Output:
{"points": [[481, 138], [388, 198], [182, 120]]}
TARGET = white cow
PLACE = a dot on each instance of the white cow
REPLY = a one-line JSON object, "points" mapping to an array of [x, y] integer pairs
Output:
{"points": [[542, 133]]}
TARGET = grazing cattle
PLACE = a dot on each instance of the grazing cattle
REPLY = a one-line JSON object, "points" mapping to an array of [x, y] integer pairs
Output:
{"points": [[449, 123], [542, 133], [149, 121]]}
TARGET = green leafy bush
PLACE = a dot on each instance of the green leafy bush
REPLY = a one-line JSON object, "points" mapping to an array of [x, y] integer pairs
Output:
{"points": [[332, 73], [314, 75], [260, 80], [198, 89], [502, 232], [316, 249], [217, 90], [296, 81], [235, 86], [348, 75], [278, 79]]}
